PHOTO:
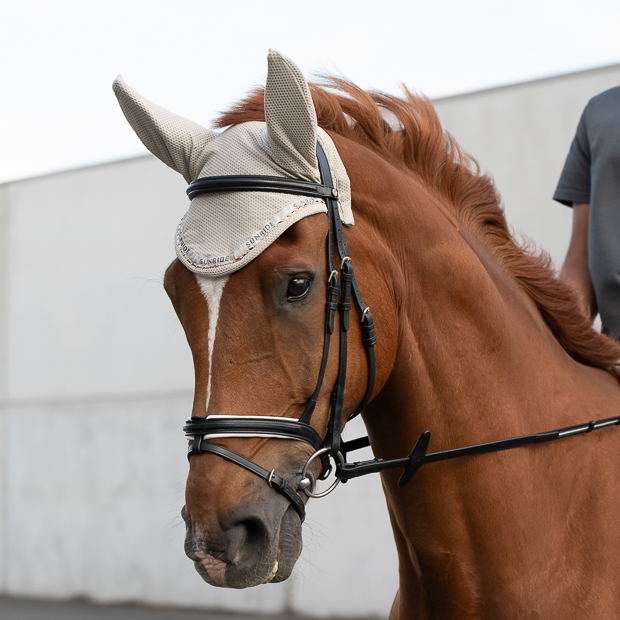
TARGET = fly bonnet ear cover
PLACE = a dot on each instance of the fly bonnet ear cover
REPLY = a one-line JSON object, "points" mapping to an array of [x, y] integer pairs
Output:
{"points": [[222, 232]]}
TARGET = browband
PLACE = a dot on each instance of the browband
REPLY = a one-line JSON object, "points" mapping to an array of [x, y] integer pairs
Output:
{"points": [[259, 183]]}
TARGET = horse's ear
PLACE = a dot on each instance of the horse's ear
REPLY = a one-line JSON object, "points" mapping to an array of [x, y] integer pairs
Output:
{"points": [[290, 116], [178, 142]]}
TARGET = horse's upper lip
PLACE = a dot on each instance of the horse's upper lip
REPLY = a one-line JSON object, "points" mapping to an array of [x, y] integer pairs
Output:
{"points": [[217, 555]]}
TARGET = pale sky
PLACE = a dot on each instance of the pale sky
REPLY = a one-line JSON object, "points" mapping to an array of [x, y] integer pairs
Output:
{"points": [[59, 58]]}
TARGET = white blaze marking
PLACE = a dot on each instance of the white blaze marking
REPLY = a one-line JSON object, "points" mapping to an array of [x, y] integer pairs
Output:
{"points": [[212, 289]]}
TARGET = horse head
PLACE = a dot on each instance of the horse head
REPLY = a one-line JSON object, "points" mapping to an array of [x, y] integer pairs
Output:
{"points": [[250, 286]]}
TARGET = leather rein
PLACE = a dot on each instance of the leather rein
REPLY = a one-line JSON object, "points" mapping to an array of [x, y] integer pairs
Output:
{"points": [[340, 287]]}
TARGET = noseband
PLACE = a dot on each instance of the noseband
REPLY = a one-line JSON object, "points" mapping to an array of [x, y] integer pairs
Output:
{"points": [[341, 285]]}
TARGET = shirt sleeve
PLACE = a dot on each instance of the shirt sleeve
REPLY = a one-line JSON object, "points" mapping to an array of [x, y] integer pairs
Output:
{"points": [[574, 183]]}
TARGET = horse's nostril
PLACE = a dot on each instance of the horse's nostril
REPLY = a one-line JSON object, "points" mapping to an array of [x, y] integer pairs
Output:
{"points": [[254, 528], [246, 538]]}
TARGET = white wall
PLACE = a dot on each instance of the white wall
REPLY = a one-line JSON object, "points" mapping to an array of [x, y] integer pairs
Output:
{"points": [[96, 376]]}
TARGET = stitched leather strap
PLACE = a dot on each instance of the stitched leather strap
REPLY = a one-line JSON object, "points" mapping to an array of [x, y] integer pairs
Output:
{"points": [[276, 482], [331, 306], [258, 183], [418, 456], [332, 441], [242, 425], [368, 338]]}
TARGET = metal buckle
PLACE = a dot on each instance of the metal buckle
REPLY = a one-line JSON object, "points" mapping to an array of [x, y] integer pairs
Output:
{"points": [[308, 483]]}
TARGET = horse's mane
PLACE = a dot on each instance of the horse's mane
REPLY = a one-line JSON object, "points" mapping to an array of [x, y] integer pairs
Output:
{"points": [[414, 141]]}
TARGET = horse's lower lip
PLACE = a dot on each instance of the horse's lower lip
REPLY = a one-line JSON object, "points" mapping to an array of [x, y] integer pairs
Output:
{"points": [[274, 572], [216, 569]]}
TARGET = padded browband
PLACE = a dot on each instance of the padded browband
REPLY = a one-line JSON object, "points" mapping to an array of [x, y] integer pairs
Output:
{"points": [[259, 183]]}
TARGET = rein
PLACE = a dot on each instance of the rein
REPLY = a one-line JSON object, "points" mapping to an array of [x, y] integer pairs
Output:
{"points": [[419, 457], [340, 287]]}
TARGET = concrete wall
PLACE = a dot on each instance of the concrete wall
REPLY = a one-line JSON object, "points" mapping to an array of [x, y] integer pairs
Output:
{"points": [[96, 376]]}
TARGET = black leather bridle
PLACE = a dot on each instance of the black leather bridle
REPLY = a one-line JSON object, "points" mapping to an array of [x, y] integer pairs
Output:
{"points": [[340, 287]]}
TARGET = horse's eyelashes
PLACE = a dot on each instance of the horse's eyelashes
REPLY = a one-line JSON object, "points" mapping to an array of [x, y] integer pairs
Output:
{"points": [[297, 288]]}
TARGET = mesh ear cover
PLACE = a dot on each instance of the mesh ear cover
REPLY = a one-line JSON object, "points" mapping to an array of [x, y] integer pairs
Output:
{"points": [[291, 118], [222, 232], [177, 141]]}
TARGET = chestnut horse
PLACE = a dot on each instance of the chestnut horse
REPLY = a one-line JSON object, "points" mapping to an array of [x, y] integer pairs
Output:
{"points": [[476, 340]]}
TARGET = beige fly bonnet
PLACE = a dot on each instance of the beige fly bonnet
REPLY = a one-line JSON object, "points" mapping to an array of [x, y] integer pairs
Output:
{"points": [[222, 232]]}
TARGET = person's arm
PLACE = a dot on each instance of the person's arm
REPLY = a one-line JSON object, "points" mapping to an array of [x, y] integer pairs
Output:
{"points": [[575, 271]]}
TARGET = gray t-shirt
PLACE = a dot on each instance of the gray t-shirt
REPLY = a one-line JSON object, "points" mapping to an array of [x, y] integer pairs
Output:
{"points": [[592, 174]]}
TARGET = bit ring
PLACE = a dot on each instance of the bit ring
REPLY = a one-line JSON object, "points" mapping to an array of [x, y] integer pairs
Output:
{"points": [[309, 489]]}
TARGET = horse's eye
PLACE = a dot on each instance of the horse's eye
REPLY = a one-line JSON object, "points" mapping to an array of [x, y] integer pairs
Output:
{"points": [[297, 288]]}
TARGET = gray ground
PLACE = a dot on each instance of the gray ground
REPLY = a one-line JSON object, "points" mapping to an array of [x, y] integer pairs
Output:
{"points": [[34, 609]]}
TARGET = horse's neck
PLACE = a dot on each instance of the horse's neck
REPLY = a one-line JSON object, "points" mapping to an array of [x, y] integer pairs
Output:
{"points": [[475, 363], [475, 357]]}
